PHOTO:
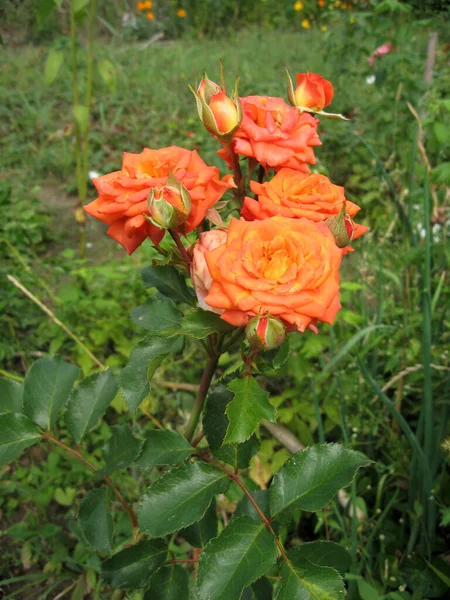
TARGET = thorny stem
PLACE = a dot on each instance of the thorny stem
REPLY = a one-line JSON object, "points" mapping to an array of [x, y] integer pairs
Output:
{"points": [[176, 238], [80, 457], [205, 382]]}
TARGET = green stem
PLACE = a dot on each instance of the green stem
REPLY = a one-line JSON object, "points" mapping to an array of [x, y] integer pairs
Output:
{"points": [[182, 250], [75, 94], [239, 180], [205, 382], [84, 143]]}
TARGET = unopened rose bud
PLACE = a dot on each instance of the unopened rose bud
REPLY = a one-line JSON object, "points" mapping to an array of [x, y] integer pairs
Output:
{"points": [[342, 227], [220, 114], [169, 206], [265, 333], [312, 91]]}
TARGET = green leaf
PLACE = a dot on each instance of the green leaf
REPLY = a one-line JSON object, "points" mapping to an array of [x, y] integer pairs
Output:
{"points": [[66, 496], [326, 554], [169, 583], [88, 402], [144, 360], [120, 450], [45, 9], [81, 114], [180, 497], [199, 324], [198, 534], [133, 566], [170, 282], [259, 590], [17, 432], [240, 555], [55, 60], [164, 447], [215, 425], [312, 477], [95, 521], [10, 396], [304, 580], [442, 133], [78, 5], [367, 591], [246, 509], [441, 173], [157, 315], [46, 389], [245, 411], [107, 72]]}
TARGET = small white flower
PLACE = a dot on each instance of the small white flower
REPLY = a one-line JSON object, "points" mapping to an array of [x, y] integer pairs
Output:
{"points": [[93, 174], [89, 245], [421, 231], [370, 79]]}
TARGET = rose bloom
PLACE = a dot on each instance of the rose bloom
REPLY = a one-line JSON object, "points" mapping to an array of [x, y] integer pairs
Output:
{"points": [[275, 134], [295, 195], [313, 91], [200, 276], [288, 268], [122, 200]]}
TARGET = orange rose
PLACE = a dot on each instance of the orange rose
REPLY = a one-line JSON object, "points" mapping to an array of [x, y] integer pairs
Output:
{"points": [[295, 195], [313, 91], [200, 276], [274, 133], [122, 201], [288, 268]]}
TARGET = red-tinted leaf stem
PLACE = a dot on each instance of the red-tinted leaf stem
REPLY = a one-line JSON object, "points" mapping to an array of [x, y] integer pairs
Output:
{"points": [[80, 457], [235, 477]]}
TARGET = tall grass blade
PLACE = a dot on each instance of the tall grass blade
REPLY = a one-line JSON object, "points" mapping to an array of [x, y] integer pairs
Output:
{"points": [[347, 347]]}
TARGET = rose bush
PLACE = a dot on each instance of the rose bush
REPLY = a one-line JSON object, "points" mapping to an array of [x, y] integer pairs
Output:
{"points": [[268, 275]]}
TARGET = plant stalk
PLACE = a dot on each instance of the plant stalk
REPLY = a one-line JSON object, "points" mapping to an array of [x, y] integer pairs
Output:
{"points": [[205, 382]]}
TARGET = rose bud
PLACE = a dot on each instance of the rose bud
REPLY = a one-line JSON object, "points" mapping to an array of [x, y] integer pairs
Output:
{"points": [[220, 114], [312, 91], [201, 278], [265, 333], [342, 227], [169, 206]]}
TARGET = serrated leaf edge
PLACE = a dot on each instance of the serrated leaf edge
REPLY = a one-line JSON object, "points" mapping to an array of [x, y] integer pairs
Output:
{"points": [[308, 449], [262, 526], [165, 474]]}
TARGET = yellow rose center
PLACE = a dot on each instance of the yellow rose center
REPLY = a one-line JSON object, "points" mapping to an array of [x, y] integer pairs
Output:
{"points": [[275, 260]]}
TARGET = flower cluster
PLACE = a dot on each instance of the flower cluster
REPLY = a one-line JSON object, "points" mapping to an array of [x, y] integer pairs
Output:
{"points": [[275, 266]]}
